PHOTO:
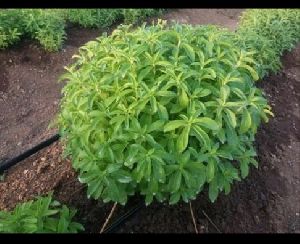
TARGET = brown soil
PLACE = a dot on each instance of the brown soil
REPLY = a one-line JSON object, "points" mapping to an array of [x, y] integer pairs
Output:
{"points": [[30, 93], [223, 17], [267, 201]]}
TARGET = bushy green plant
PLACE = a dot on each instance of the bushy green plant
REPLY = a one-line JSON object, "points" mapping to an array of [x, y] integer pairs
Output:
{"points": [[42, 215], [280, 26], [266, 58], [94, 17], [132, 16], [45, 25], [10, 27], [161, 111]]}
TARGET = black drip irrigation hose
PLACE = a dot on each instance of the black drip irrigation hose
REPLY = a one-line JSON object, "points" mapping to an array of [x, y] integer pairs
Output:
{"points": [[13, 161], [125, 217]]}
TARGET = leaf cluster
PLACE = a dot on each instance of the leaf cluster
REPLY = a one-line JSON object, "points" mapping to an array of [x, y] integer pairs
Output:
{"points": [[43, 215], [280, 26], [163, 111]]}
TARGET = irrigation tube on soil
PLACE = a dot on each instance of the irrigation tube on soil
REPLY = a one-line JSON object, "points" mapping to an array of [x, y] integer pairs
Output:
{"points": [[13, 161], [121, 220]]}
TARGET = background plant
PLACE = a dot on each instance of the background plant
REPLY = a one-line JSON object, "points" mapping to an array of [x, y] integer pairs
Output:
{"points": [[267, 60], [94, 17], [132, 16], [43, 215], [10, 27], [46, 26], [280, 26], [162, 111]]}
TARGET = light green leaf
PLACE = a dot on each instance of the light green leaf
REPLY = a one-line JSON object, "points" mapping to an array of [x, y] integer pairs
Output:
{"points": [[162, 112], [210, 170], [172, 125], [189, 50], [246, 121], [244, 168], [183, 139], [207, 122], [231, 117], [201, 136], [183, 99], [224, 93], [175, 197], [213, 190], [251, 71], [175, 182]]}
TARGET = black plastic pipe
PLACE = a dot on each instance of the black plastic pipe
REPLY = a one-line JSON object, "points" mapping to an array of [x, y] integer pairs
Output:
{"points": [[13, 161]]}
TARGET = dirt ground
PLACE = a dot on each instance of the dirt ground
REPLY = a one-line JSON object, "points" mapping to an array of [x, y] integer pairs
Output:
{"points": [[30, 92], [267, 201]]}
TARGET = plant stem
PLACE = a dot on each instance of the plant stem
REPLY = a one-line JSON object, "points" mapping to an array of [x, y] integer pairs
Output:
{"points": [[109, 217], [194, 221]]}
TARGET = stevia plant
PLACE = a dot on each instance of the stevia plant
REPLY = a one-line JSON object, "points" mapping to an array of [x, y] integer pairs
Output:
{"points": [[47, 26], [44, 25], [164, 111], [266, 58], [10, 27], [280, 26], [42, 215], [94, 17], [132, 16]]}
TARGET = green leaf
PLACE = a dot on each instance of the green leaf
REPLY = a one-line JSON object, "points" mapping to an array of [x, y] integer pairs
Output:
{"points": [[189, 50], [204, 93], [153, 104], [221, 135], [156, 126], [210, 170], [183, 99], [251, 71], [166, 94], [172, 125], [148, 199], [227, 187], [201, 136], [162, 112], [175, 181], [143, 73], [254, 162], [62, 225], [208, 123], [231, 117], [224, 92], [213, 190], [244, 168], [246, 121], [183, 139], [175, 197], [232, 137], [93, 187]]}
